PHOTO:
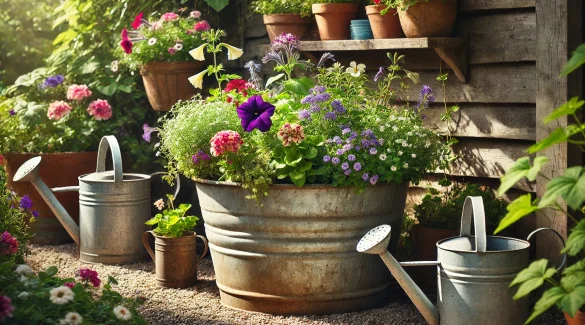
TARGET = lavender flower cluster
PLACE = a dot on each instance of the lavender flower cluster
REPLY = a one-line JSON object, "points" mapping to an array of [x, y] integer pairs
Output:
{"points": [[53, 81], [200, 156], [318, 101], [427, 96]]}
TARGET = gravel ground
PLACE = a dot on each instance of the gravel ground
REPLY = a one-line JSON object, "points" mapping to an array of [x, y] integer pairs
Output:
{"points": [[201, 304]]}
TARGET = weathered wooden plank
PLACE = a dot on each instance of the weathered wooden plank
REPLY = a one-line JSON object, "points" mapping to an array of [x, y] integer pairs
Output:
{"points": [[503, 83], [504, 121], [472, 5], [501, 37], [381, 44]]}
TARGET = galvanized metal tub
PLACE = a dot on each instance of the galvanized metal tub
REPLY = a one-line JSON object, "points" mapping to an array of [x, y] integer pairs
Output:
{"points": [[296, 254]]}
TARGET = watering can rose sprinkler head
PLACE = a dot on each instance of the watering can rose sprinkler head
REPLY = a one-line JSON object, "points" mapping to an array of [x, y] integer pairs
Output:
{"points": [[376, 242]]}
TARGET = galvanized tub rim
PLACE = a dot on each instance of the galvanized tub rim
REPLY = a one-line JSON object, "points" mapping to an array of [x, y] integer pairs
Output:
{"points": [[284, 186], [139, 178], [440, 242]]}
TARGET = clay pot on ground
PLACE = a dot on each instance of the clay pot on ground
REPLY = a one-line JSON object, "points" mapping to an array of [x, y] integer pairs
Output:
{"points": [[384, 26], [578, 319], [334, 19], [175, 259], [433, 18], [57, 170], [167, 82], [286, 23]]}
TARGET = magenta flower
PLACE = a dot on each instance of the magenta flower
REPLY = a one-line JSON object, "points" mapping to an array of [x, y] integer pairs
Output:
{"points": [[125, 43], [6, 307], [202, 26], [137, 21], [88, 275], [100, 109], [70, 284], [172, 50], [147, 132], [225, 141], [8, 244], [169, 16], [255, 113]]}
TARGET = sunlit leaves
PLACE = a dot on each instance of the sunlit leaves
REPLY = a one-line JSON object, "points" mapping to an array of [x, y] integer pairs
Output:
{"points": [[559, 135], [567, 108], [576, 240], [549, 298], [532, 277], [570, 186], [520, 169], [577, 60], [517, 209]]}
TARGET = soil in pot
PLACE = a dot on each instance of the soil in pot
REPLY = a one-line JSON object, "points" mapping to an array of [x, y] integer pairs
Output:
{"points": [[56, 170], [167, 82], [578, 319], [433, 18], [334, 19], [384, 26], [286, 23]]}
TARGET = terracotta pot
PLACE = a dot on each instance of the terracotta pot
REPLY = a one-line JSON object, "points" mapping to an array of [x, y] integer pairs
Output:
{"points": [[56, 170], [286, 23], [176, 259], [425, 241], [167, 82], [578, 319], [433, 18], [333, 19], [384, 26]]}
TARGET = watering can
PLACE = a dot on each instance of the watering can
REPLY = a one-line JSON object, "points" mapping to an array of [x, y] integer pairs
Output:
{"points": [[113, 207], [474, 273]]}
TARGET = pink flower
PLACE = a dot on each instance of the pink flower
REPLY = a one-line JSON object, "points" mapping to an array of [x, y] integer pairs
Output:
{"points": [[169, 16], [58, 109], [125, 43], [78, 92], [195, 14], [225, 141], [100, 109], [137, 21], [172, 50], [89, 275], [156, 25], [8, 244], [6, 308], [291, 133], [202, 26], [70, 284]]}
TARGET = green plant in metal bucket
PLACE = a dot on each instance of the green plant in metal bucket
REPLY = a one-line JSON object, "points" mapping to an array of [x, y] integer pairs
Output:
{"points": [[172, 222]]}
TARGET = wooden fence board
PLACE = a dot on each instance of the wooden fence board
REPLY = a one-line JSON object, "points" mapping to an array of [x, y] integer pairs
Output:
{"points": [[472, 5]]}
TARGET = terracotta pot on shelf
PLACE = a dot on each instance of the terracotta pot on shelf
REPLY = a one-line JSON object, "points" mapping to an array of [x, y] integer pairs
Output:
{"points": [[167, 82], [578, 319], [433, 18], [176, 259], [334, 19], [286, 23], [384, 26], [57, 170]]}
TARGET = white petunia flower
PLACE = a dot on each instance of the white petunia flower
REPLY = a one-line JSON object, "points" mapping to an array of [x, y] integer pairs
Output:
{"points": [[23, 269], [61, 295], [197, 80], [178, 46], [383, 157], [393, 168], [197, 53], [355, 70], [233, 52], [71, 318], [152, 41], [122, 313]]}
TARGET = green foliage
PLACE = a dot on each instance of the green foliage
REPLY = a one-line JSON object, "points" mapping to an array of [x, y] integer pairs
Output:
{"points": [[443, 210], [568, 294], [296, 161], [403, 4], [275, 7], [217, 5], [30, 296], [172, 222]]}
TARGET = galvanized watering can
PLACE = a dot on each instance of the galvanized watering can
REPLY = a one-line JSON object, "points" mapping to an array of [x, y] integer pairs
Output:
{"points": [[113, 207], [473, 272]]}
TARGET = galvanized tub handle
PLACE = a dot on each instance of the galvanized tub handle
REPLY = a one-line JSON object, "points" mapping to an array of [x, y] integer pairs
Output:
{"points": [[558, 235], [205, 250], [177, 185], [151, 253], [110, 142], [474, 205]]}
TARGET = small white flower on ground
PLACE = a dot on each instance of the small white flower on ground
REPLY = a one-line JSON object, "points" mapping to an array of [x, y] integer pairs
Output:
{"points": [[393, 168], [61, 295], [24, 295], [413, 155], [178, 46], [152, 41], [71, 318], [23, 269], [159, 204], [157, 145], [122, 313], [383, 157]]}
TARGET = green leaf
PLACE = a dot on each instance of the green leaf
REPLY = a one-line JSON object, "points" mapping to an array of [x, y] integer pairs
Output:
{"points": [[293, 158], [548, 299], [279, 165], [304, 167], [108, 90], [576, 240], [112, 280], [299, 86], [577, 60], [574, 300], [517, 209], [532, 277], [566, 109], [559, 135], [312, 153], [51, 271], [297, 177], [577, 267], [217, 5], [271, 80], [90, 67], [515, 173], [571, 186]]}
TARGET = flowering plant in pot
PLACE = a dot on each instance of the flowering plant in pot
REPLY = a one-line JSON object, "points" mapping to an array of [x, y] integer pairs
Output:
{"points": [[384, 20], [176, 253], [565, 194], [159, 47], [334, 17], [284, 16], [315, 154], [425, 18]]}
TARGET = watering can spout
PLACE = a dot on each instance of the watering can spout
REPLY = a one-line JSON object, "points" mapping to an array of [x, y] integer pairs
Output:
{"points": [[29, 171], [376, 242]]}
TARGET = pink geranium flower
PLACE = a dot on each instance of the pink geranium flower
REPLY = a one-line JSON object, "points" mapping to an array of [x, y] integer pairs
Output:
{"points": [[195, 14], [89, 275], [225, 141], [58, 109], [100, 109], [291, 133], [202, 26], [78, 92], [8, 244], [169, 16]]}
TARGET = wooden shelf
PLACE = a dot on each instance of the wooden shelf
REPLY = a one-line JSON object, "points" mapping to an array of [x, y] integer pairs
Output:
{"points": [[450, 50]]}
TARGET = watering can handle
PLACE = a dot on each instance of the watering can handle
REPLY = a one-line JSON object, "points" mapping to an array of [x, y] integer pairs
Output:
{"points": [[204, 251], [177, 180], [474, 205], [110, 142], [558, 235], [147, 244]]}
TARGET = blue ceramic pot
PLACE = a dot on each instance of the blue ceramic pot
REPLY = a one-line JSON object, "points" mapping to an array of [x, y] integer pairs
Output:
{"points": [[361, 29]]}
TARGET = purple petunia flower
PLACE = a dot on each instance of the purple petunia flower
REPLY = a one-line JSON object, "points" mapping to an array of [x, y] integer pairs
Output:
{"points": [[326, 159], [330, 116], [347, 147], [53, 81], [347, 172], [26, 202], [374, 179], [345, 166], [255, 113], [11, 112], [353, 135], [357, 166], [335, 160], [304, 115], [380, 74], [340, 152], [35, 214], [365, 177], [351, 157], [147, 132], [338, 107]]}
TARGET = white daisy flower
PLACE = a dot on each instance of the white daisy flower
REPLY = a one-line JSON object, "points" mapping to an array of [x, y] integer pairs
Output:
{"points": [[383, 157], [23, 269], [400, 153], [404, 144], [178, 46], [152, 41], [71, 318], [382, 128], [393, 168], [61, 295], [122, 313]]}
